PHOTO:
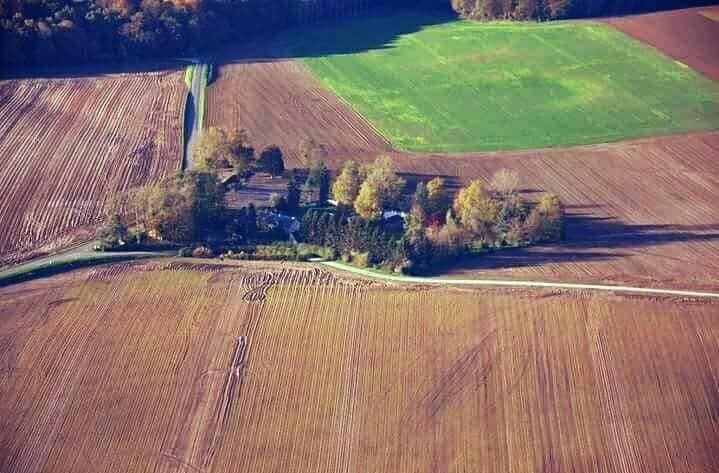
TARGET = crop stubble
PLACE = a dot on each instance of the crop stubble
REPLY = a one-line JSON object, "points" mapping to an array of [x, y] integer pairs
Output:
{"points": [[70, 144], [157, 367]]}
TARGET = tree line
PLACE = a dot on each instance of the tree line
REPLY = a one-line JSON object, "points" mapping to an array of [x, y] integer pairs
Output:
{"points": [[559, 9], [374, 225], [44, 32]]}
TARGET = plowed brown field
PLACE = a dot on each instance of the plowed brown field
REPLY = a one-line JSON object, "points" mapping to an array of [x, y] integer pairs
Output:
{"points": [[690, 35], [174, 367], [641, 212], [67, 145], [279, 102]]}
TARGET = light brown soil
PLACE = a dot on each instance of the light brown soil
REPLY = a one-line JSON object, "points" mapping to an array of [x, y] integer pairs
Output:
{"points": [[67, 145], [640, 212], [182, 367], [686, 35]]}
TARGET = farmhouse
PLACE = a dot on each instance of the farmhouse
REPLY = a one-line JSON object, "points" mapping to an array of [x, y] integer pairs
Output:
{"points": [[258, 189]]}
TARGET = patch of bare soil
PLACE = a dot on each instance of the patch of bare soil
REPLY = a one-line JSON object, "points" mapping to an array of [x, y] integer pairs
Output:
{"points": [[690, 36]]}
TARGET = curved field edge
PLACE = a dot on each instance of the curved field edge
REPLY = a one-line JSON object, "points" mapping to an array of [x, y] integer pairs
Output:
{"points": [[461, 86], [160, 366], [688, 35]]}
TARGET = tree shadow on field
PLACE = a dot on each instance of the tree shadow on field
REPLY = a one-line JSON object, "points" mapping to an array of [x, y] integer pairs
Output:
{"points": [[377, 29], [591, 238], [371, 29], [93, 70]]}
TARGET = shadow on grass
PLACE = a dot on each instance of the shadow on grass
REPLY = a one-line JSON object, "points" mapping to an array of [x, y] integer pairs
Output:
{"points": [[375, 30]]}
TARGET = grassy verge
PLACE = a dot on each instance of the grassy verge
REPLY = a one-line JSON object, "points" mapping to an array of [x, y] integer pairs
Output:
{"points": [[205, 70], [184, 132], [31, 271], [189, 71], [436, 84]]}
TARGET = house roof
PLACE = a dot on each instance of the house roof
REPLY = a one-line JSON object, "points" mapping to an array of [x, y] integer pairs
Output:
{"points": [[256, 189]]}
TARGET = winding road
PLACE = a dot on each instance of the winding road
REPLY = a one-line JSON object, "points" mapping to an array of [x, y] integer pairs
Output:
{"points": [[517, 283], [85, 251]]}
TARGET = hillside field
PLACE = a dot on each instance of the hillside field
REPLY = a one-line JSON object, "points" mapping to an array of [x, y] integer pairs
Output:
{"points": [[443, 85], [183, 367], [67, 145], [690, 35]]}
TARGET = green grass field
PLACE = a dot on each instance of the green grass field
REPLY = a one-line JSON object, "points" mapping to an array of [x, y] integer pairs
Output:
{"points": [[432, 84]]}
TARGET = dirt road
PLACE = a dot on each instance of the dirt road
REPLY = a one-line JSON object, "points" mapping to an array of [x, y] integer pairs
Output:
{"points": [[525, 284]]}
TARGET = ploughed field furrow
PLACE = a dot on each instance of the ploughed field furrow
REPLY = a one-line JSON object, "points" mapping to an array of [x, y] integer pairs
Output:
{"points": [[639, 211], [280, 103], [168, 367], [70, 144], [690, 35]]}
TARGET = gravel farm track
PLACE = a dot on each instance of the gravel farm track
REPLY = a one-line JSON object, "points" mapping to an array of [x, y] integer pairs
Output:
{"points": [[640, 212], [69, 144], [189, 366]]}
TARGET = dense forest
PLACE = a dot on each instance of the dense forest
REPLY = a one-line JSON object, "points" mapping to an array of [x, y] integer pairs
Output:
{"points": [[42, 32], [558, 9]]}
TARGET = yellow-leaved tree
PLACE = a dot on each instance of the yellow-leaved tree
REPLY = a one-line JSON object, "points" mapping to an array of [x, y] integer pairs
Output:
{"points": [[347, 185]]}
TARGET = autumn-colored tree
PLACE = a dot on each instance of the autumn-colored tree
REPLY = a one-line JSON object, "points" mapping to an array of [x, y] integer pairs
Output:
{"points": [[414, 223], [545, 221], [382, 175], [468, 198], [170, 210], [368, 203], [184, 207], [451, 234], [476, 210], [346, 187], [382, 188], [438, 197], [505, 182], [220, 148]]}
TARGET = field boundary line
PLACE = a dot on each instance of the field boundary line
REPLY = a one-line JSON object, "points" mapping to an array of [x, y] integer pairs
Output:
{"points": [[519, 283]]}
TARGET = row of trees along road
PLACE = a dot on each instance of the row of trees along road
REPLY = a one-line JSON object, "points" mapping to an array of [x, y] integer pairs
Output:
{"points": [[42, 32]]}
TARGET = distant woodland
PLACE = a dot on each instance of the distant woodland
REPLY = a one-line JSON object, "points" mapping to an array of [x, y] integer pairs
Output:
{"points": [[45, 32]]}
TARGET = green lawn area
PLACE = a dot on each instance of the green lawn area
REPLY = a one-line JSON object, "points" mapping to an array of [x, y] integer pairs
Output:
{"points": [[451, 85]]}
